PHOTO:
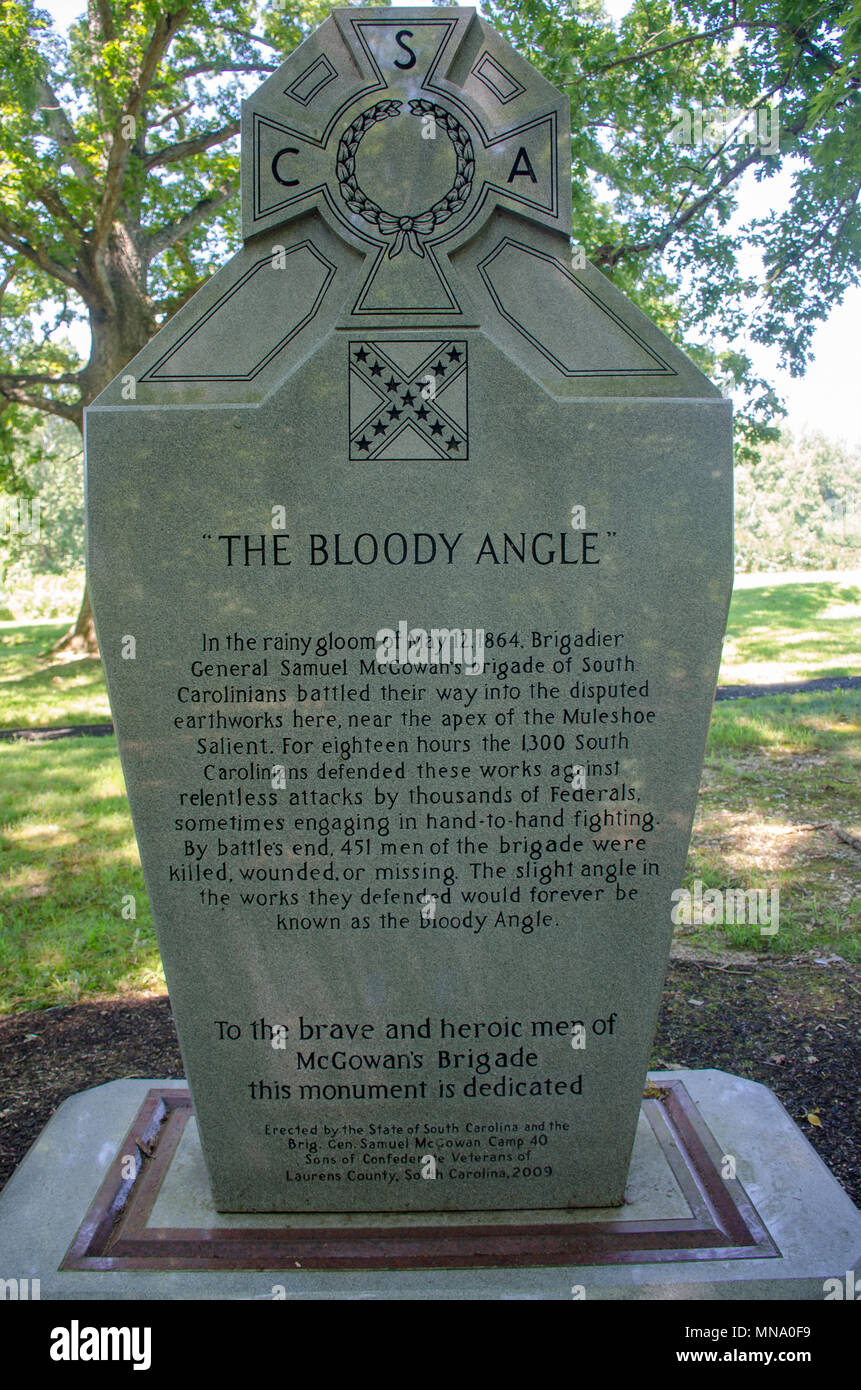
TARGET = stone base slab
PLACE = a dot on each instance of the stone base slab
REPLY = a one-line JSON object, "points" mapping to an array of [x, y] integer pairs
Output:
{"points": [[725, 1199]]}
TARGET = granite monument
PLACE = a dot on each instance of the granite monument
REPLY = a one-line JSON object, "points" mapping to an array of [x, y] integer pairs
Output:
{"points": [[410, 549]]}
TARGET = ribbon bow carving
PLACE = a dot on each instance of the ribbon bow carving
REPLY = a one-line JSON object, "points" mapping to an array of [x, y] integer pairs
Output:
{"points": [[406, 230]]}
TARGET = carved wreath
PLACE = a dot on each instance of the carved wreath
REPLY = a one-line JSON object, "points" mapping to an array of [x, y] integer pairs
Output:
{"points": [[405, 229]]}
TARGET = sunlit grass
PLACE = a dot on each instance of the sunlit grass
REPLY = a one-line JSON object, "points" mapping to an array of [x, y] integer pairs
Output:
{"points": [[803, 722], [781, 774], [790, 632], [39, 691], [69, 862]]}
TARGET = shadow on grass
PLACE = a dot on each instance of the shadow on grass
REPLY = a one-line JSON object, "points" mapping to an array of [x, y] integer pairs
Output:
{"points": [[781, 775], [762, 622], [73, 907], [36, 690]]}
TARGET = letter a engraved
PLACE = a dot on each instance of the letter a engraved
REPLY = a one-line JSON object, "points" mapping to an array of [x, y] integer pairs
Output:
{"points": [[526, 171]]}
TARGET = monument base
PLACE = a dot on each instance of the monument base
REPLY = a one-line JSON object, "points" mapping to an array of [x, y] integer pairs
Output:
{"points": [[725, 1199]]}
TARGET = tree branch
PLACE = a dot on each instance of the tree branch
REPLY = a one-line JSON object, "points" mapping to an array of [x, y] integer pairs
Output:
{"points": [[749, 26], [195, 70], [39, 379], [4, 285], [55, 205], [15, 239], [663, 47], [162, 36], [844, 212], [169, 153], [52, 407], [61, 128], [841, 225], [171, 115], [107, 20], [48, 330], [251, 38], [804, 42], [755, 106], [165, 237], [611, 255]]}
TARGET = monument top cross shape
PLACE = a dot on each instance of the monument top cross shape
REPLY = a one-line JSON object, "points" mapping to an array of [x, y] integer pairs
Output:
{"points": [[405, 128], [406, 170]]}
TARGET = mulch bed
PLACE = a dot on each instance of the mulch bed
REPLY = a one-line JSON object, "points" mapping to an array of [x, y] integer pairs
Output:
{"points": [[795, 1026]]}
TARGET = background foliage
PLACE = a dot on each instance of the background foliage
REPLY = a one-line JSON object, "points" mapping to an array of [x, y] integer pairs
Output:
{"points": [[799, 507], [119, 174], [661, 218]]}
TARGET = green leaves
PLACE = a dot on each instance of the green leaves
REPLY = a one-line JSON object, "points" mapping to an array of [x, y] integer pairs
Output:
{"points": [[657, 208], [120, 168], [798, 508], [95, 129]]}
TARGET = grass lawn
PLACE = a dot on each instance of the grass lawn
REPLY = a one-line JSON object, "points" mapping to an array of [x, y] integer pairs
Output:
{"points": [[35, 690], [70, 870], [781, 774], [792, 631]]}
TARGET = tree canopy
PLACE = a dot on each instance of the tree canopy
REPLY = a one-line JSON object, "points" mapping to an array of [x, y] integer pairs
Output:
{"points": [[120, 171], [120, 167], [120, 175], [669, 112], [119, 160]]}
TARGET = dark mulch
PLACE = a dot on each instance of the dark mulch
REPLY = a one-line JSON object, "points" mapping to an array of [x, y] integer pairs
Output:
{"points": [[753, 692], [49, 1054], [45, 735], [795, 1026]]}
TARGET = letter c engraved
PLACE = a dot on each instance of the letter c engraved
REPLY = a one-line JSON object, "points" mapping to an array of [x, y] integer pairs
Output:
{"points": [[288, 183], [399, 40]]}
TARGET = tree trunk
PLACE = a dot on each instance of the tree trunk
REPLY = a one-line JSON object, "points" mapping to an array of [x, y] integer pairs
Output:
{"points": [[81, 636], [118, 334]]}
